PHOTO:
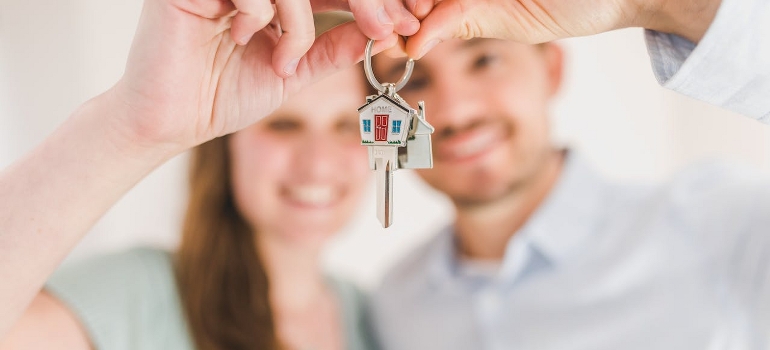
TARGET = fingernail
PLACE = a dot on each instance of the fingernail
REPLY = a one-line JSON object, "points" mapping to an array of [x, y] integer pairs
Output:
{"points": [[383, 17], [406, 14], [431, 44], [291, 67]]}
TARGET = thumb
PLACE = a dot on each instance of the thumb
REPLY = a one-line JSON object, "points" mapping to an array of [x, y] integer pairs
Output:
{"points": [[445, 21]]}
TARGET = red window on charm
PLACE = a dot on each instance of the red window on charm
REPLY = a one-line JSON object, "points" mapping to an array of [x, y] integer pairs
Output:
{"points": [[380, 127]]}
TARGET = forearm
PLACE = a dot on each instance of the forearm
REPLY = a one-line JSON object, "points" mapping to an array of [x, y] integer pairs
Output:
{"points": [[50, 198], [687, 18]]}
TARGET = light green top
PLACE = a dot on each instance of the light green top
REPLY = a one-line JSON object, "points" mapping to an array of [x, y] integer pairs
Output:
{"points": [[130, 301]]}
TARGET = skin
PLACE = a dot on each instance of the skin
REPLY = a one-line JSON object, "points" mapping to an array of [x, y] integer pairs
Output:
{"points": [[492, 152], [287, 185], [538, 21]]}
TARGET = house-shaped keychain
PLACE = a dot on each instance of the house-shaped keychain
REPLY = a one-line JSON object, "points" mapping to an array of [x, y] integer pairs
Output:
{"points": [[391, 122]]}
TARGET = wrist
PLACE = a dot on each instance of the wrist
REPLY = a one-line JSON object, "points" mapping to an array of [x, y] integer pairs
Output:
{"points": [[116, 121], [687, 18]]}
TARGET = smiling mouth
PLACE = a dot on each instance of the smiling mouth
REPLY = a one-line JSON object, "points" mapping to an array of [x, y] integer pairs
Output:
{"points": [[471, 143], [312, 196]]}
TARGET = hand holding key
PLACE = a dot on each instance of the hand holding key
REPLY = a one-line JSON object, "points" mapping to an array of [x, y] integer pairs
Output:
{"points": [[398, 137]]}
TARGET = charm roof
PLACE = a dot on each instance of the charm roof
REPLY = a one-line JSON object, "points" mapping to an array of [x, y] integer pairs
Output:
{"points": [[387, 98]]}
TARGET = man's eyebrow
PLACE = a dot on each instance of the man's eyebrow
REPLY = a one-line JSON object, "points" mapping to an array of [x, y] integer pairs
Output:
{"points": [[397, 68], [467, 44]]}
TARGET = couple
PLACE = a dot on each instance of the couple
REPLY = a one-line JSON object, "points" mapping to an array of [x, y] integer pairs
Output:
{"points": [[544, 253]]}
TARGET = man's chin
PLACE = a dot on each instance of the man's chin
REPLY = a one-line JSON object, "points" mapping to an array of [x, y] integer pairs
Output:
{"points": [[481, 196]]}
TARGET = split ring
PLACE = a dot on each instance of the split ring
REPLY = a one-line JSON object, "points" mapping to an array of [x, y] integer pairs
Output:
{"points": [[373, 80]]}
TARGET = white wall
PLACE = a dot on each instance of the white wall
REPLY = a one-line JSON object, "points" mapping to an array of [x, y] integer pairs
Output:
{"points": [[55, 55]]}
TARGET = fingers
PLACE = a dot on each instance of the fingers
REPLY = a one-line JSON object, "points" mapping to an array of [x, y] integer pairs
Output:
{"points": [[444, 22], [405, 23], [252, 16], [211, 9], [398, 50], [336, 49], [380, 18], [420, 8], [296, 18]]}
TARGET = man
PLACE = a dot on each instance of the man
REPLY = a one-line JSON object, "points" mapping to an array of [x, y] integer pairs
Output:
{"points": [[547, 254]]}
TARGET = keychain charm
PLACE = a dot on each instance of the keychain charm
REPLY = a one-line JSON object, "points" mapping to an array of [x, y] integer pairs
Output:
{"points": [[397, 135]]}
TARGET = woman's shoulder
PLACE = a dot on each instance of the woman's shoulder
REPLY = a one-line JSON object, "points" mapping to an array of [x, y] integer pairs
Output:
{"points": [[348, 292], [124, 300], [353, 302], [132, 271]]}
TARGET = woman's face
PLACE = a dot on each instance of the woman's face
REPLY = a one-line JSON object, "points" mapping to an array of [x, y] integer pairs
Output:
{"points": [[298, 174]]}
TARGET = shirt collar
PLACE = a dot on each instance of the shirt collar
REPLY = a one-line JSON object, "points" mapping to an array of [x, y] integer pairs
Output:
{"points": [[562, 223]]}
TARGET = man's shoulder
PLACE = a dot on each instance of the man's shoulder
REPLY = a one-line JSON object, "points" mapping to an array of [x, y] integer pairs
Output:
{"points": [[719, 182], [715, 196]]}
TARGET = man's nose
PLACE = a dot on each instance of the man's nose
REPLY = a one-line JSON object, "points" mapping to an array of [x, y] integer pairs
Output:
{"points": [[454, 102]]}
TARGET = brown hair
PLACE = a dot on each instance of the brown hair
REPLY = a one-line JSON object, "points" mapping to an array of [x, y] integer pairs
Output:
{"points": [[221, 279]]}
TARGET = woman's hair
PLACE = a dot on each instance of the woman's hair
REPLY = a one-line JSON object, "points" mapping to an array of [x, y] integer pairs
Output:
{"points": [[222, 281]]}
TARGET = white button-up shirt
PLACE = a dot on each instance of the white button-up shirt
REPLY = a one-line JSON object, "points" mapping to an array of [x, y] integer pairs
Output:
{"points": [[680, 265]]}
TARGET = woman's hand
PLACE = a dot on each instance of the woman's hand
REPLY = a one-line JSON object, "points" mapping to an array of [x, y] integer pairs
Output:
{"points": [[202, 69]]}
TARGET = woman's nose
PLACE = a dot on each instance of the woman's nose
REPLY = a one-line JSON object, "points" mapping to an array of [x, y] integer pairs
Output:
{"points": [[319, 157]]}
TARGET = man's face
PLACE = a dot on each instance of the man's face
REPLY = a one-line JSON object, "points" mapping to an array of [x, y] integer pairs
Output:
{"points": [[488, 100]]}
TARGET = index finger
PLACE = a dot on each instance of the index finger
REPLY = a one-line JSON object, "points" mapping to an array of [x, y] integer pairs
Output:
{"points": [[296, 17]]}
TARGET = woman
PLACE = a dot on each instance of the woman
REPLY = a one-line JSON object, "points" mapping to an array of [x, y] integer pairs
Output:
{"points": [[263, 201]]}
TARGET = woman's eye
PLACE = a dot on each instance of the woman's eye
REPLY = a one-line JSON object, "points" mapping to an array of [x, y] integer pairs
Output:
{"points": [[283, 125], [348, 126]]}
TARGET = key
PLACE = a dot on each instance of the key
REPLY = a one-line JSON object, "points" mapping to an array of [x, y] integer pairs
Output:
{"points": [[397, 135], [385, 163]]}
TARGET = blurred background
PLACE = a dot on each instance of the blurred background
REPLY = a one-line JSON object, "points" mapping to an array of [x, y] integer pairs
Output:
{"points": [[55, 55]]}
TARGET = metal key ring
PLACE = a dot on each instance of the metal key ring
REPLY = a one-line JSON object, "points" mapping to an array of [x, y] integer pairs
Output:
{"points": [[370, 74]]}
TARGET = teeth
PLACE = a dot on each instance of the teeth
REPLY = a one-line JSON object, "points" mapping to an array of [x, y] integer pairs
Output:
{"points": [[473, 146], [479, 141], [312, 195]]}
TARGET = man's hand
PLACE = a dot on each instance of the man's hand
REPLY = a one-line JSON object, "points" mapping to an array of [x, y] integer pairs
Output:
{"points": [[536, 21]]}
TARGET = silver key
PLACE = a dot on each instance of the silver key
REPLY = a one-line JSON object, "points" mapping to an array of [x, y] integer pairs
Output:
{"points": [[396, 134]]}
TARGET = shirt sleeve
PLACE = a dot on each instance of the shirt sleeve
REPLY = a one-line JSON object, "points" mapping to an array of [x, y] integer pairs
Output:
{"points": [[730, 67], [118, 297]]}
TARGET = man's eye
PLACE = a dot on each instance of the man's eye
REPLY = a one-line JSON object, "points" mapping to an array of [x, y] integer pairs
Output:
{"points": [[283, 125], [484, 61], [415, 84]]}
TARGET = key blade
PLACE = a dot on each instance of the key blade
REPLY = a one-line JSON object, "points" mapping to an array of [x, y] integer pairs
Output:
{"points": [[385, 165], [385, 192]]}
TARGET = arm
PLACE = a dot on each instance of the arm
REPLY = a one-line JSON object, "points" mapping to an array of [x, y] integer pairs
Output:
{"points": [[730, 65], [538, 21], [56, 193], [186, 81], [712, 50], [46, 324]]}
